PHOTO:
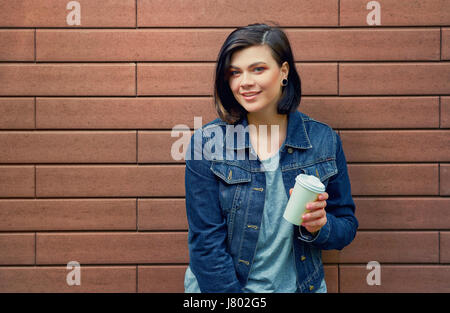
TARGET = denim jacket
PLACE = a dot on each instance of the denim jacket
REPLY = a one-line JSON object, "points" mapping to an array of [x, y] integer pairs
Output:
{"points": [[225, 192]]}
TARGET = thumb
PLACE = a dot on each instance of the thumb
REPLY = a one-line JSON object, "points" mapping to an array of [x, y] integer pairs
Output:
{"points": [[290, 191]]}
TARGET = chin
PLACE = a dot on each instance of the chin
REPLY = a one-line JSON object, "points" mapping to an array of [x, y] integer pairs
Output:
{"points": [[251, 106], [251, 109]]}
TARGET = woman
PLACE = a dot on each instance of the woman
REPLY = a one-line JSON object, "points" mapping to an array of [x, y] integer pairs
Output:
{"points": [[236, 195]]}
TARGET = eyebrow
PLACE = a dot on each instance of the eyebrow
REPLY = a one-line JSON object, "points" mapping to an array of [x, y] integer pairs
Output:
{"points": [[253, 64]]}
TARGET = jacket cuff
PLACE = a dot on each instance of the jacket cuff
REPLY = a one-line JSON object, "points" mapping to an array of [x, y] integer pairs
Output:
{"points": [[318, 238]]}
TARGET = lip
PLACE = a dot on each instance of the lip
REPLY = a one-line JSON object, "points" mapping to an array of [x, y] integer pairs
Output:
{"points": [[250, 97]]}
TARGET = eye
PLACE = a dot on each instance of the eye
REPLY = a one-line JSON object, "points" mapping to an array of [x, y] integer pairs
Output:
{"points": [[262, 68], [233, 72]]}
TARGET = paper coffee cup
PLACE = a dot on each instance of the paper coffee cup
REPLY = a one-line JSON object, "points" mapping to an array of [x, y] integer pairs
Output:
{"points": [[306, 189]]}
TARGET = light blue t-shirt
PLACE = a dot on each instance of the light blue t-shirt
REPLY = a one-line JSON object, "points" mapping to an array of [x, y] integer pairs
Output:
{"points": [[273, 268]]}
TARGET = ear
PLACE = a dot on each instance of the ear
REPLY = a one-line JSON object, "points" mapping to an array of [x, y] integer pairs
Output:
{"points": [[285, 69]]}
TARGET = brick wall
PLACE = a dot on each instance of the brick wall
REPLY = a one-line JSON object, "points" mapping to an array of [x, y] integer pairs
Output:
{"points": [[86, 112]]}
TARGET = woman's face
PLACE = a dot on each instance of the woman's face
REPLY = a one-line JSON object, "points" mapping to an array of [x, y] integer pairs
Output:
{"points": [[254, 70]]}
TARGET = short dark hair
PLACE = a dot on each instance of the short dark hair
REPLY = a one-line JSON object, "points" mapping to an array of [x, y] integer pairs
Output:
{"points": [[225, 103]]}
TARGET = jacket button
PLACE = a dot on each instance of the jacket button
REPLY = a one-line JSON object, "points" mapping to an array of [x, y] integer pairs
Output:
{"points": [[311, 288], [303, 258], [290, 150]]}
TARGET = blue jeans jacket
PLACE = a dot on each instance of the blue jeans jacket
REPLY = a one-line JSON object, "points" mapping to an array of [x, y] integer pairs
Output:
{"points": [[225, 194]]}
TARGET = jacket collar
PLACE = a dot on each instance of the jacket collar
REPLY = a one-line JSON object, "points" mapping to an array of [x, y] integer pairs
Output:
{"points": [[296, 136]]}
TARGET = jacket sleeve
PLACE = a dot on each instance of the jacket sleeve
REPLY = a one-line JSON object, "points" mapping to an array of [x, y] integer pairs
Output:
{"points": [[341, 226], [211, 264]]}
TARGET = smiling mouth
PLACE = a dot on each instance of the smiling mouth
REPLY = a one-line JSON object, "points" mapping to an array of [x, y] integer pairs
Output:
{"points": [[251, 96]]}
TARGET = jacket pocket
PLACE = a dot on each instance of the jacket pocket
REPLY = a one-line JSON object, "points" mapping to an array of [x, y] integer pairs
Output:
{"points": [[323, 170], [233, 184], [230, 174]]}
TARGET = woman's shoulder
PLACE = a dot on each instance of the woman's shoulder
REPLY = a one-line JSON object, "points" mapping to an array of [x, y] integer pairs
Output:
{"points": [[309, 120], [205, 132], [320, 133], [214, 123]]}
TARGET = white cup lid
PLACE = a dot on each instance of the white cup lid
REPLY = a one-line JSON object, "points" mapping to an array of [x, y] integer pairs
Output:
{"points": [[310, 182]]}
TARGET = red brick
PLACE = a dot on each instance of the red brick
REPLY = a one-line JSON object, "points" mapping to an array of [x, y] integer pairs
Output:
{"points": [[17, 181], [17, 44], [444, 247], [162, 214], [396, 146], [111, 248], [404, 78], [73, 214], [373, 112], [67, 79], [331, 278], [175, 79], [388, 247], [237, 13], [411, 213], [396, 278], [156, 146], [53, 279], [365, 44], [164, 278], [109, 181], [394, 179], [444, 179], [53, 13], [203, 45], [198, 79], [398, 13], [130, 45], [445, 112], [132, 113], [17, 248], [16, 113], [445, 49], [330, 257], [68, 147], [318, 78]]}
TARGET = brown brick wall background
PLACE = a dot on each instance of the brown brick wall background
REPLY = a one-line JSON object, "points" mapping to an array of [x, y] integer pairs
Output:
{"points": [[86, 114]]}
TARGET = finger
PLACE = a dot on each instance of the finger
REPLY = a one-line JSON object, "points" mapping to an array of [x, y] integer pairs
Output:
{"points": [[318, 214], [315, 223], [322, 196], [311, 206], [290, 191]]}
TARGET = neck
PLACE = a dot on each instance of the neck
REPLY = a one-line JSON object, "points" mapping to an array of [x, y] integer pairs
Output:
{"points": [[263, 138], [269, 120]]}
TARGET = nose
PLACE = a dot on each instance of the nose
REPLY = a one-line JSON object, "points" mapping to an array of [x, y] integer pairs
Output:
{"points": [[247, 80]]}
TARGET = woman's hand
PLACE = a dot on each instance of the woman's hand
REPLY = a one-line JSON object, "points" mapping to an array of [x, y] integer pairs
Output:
{"points": [[315, 217]]}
